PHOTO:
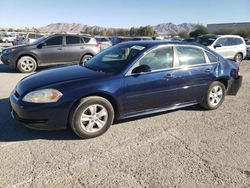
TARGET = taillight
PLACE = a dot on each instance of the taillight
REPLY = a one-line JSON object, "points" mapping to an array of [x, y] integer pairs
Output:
{"points": [[238, 71], [98, 45]]}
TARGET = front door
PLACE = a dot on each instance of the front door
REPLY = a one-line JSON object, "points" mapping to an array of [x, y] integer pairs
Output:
{"points": [[152, 90], [52, 52]]}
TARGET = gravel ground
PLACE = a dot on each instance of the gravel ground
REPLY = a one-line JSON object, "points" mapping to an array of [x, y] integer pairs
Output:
{"points": [[182, 148]]}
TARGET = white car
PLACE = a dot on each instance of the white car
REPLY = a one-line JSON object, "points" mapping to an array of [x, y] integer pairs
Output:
{"points": [[31, 37], [248, 48], [8, 38], [228, 46]]}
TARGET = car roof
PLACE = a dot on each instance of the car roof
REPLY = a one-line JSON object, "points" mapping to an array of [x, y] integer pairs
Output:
{"points": [[152, 43]]}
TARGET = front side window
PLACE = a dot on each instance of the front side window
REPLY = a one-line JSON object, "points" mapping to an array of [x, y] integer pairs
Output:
{"points": [[73, 40], [190, 56], [160, 58], [54, 41], [222, 42], [114, 59]]}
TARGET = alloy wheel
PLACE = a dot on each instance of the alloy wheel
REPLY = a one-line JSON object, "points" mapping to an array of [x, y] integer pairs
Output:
{"points": [[215, 95], [93, 118]]}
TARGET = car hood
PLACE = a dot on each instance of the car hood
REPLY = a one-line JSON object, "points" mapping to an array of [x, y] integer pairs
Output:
{"points": [[56, 75], [17, 46]]}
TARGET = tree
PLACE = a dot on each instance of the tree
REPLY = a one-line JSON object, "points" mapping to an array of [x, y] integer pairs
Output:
{"points": [[183, 34], [200, 30]]}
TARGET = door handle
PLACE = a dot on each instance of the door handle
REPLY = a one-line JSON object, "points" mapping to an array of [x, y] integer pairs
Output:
{"points": [[59, 48], [168, 76], [81, 47], [208, 70]]}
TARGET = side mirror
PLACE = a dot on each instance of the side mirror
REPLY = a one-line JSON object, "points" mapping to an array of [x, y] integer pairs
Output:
{"points": [[41, 45], [141, 69], [217, 45]]}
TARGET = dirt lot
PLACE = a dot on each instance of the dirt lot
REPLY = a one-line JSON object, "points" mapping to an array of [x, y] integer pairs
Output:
{"points": [[183, 148]]}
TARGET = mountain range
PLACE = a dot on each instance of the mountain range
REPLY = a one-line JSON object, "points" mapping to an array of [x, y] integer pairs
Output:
{"points": [[162, 29]]}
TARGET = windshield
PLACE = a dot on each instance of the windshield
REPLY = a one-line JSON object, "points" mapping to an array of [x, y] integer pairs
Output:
{"points": [[114, 59], [206, 41]]}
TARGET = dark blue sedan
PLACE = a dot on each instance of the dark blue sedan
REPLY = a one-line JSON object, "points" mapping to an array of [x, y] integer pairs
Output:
{"points": [[127, 80]]}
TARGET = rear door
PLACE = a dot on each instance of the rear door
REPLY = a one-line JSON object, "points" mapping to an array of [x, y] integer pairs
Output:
{"points": [[52, 51], [194, 73], [73, 49]]}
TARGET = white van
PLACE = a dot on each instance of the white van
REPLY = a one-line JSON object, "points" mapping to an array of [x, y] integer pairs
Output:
{"points": [[228, 46]]}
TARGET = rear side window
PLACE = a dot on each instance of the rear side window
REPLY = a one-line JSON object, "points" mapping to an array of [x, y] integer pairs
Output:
{"points": [[234, 41], [211, 57], [190, 56], [73, 40], [85, 39], [54, 41]]}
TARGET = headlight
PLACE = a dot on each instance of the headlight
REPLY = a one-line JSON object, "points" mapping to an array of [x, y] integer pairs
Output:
{"points": [[6, 51], [43, 96]]}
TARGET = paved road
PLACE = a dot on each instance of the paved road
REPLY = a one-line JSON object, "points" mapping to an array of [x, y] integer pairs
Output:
{"points": [[183, 148]]}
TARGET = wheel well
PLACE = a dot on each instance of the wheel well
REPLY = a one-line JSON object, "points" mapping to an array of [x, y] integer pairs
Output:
{"points": [[103, 95], [223, 81], [86, 54], [26, 55], [239, 53]]}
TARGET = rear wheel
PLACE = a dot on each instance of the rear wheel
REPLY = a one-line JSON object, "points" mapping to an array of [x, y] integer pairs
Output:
{"points": [[92, 117], [86, 57], [215, 96], [26, 64], [238, 57]]}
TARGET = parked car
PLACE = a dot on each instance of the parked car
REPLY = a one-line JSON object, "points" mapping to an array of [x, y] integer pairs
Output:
{"points": [[50, 50], [141, 38], [117, 40], [20, 39], [31, 37], [7, 38], [126, 80], [248, 48], [229, 46], [104, 42], [190, 39]]}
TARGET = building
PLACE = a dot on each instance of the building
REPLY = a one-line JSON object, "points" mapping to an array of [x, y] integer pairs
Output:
{"points": [[230, 26]]}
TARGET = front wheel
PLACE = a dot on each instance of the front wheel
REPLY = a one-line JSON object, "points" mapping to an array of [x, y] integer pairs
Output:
{"points": [[92, 117], [26, 64], [238, 57], [215, 96]]}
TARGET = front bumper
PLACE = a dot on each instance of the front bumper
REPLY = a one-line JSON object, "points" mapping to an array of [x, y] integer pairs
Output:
{"points": [[234, 86], [39, 116], [8, 60]]}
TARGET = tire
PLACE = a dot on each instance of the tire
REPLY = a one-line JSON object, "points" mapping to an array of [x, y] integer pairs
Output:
{"points": [[86, 58], [26, 64], [214, 97], [238, 57], [84, 119]]}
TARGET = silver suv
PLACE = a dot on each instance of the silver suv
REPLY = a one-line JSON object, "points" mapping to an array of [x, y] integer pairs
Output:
{"points": [[228, 46]]}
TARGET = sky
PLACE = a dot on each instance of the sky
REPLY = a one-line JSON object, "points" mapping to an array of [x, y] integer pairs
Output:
{"points": [[121, 13]]}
